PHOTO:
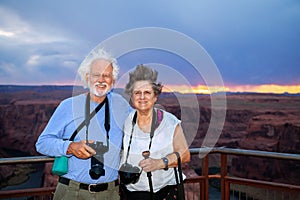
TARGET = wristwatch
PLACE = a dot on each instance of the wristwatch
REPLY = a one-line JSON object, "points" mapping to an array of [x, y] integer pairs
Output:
{"points": [[166, 162]]}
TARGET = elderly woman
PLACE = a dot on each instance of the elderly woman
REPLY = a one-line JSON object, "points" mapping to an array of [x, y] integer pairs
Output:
{"points": [[148, 129]]}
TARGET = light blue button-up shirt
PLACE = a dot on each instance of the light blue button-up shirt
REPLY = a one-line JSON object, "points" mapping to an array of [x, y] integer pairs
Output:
{"points": [[53, 141]]}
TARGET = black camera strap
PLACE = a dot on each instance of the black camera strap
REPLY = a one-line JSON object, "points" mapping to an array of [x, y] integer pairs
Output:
{"points": [[89, 116], [106, 118], [154, 124], [179, 183], [130, 139]]}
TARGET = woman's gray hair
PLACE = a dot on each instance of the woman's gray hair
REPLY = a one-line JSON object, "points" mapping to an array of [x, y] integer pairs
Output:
{"points": [[143, 73], [97, 54]]}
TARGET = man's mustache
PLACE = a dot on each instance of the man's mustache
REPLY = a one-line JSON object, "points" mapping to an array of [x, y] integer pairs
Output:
{"points": [[101, 84]]}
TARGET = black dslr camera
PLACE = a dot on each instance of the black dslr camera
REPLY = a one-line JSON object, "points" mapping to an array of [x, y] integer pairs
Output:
{"points": [[97, 167], [129, 174]]}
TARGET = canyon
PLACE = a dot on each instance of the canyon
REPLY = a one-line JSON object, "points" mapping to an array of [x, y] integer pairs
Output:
{"points": [[266, 122]]}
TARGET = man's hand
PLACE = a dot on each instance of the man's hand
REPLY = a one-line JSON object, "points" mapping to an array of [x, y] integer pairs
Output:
{"points": [[81, 149]]}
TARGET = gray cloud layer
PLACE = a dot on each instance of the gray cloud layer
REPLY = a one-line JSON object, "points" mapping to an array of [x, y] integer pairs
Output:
{"points": [[252, 42]]}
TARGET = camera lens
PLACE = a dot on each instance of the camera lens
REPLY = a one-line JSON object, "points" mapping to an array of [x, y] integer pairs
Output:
{"points": [[97, 167], [129, 174]]}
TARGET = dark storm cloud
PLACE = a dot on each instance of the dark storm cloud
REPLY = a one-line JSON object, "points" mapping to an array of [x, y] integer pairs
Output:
{"points": [[251, 42]]}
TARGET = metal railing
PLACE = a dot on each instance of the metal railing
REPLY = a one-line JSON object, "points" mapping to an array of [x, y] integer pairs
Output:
{"points": [[195, 187], [227, 182]]}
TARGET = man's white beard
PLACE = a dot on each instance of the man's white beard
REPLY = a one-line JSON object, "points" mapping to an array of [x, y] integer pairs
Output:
{"points": [[96, 93]]}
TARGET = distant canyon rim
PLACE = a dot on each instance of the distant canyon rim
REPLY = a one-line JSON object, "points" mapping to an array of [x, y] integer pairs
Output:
{"points": [[265, 122]]}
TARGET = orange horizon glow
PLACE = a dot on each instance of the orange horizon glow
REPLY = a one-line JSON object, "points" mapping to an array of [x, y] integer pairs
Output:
{"points": [[265, 88], [203, 89]]}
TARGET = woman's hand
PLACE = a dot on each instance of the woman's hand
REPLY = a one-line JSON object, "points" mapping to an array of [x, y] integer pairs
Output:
{"points": [[151, 164]]}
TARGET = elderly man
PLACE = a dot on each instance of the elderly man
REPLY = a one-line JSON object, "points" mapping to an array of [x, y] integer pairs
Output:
{"points": [[93, 154]]}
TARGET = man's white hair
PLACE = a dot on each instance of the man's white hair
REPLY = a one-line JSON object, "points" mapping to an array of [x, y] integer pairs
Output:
{"points": [[97, 54]]}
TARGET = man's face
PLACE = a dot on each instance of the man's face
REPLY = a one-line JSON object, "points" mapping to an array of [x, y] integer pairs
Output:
{"points": [[100, 78]]}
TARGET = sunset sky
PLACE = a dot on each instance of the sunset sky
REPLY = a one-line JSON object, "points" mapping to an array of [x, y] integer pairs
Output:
{"points": [[254, 44]]}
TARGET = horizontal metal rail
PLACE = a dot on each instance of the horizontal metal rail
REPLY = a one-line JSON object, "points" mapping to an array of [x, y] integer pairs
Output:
{"points": [[47, 191], [25, 160], [255, 153], [262, 184], [204, 152]]}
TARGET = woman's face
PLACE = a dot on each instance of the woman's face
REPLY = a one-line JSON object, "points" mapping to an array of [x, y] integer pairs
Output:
{"points": [[143, 97]]}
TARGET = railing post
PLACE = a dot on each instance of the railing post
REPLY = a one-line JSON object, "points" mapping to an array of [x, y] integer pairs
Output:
{"points": [[225, 187], [204, 190]]}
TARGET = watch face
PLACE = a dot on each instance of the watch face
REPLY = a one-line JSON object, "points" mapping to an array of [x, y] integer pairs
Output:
{"points": [[166, 162]]}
